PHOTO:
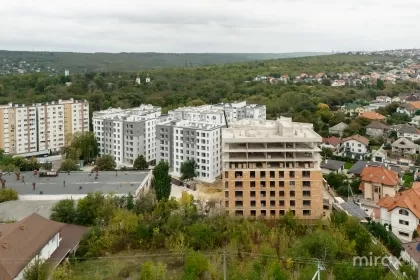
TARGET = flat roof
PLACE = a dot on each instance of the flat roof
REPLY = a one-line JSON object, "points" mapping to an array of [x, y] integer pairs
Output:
{"points": [[19, 209], [107, 182], [266, 130]]}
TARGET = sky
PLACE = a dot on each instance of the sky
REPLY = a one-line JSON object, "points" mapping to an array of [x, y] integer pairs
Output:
{"points": [[232, 26]]}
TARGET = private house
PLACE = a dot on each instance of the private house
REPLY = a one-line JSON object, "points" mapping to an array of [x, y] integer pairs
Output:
{"points": [[373, 116], [35, 237], [338, 83], [409, 132], [379, 155], [359, 166], [338, 129], [402, 212], [411, 252], [415, 121], [355, 147], [376, 129], [332, 166], [377, 182], [383, 98], [331, 142], [409, 108], [404, 146], [353, 109]]}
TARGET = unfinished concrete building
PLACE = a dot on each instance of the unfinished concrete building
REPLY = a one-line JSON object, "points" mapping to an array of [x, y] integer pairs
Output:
{"points": [[270, 167]]}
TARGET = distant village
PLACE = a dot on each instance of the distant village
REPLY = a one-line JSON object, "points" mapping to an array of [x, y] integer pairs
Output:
{"points": [[391, 73]]}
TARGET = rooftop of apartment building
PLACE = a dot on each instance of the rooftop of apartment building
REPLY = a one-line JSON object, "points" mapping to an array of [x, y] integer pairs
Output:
{"points": [[282, 128], [60, 101], [215, 108], [131, 114], [191, 124], [76, 183]]}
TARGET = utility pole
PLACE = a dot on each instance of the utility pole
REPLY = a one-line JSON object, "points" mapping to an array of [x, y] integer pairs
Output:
{"points": [[224, 265]]}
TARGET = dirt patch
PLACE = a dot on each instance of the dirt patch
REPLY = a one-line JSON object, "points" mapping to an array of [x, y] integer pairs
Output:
{"points": [[210, 190]]}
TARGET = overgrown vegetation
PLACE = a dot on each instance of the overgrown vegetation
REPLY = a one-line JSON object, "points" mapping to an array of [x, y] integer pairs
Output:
{"points": [[7, 194], [194, 245]]}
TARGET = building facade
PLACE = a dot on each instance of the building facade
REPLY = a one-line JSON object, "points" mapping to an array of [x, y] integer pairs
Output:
{"points": [[41, 128], [178, 141], [216, 114], [127, 133], [270, 167]]}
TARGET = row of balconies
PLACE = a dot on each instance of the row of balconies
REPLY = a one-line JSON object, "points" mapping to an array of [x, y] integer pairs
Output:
{"points": [[271, 165]]}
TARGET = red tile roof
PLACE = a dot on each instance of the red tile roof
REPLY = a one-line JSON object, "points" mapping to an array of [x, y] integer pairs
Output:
{"points": [[332, 140], [380, 175], [409, 199], [372, 116], [357, 138]]}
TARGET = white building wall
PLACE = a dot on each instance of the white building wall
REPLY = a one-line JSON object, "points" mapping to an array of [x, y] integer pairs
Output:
{"points": [[7, 141], [51, 127], [399, 222], [411, 136], [44, 254], [356, 146]]}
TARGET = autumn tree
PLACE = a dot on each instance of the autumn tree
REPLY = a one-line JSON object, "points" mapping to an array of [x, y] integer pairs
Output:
{"points": [[161, 181]]}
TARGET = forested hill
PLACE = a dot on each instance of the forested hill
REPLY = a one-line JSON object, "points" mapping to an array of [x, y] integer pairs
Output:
{"points": [[57, 62]]}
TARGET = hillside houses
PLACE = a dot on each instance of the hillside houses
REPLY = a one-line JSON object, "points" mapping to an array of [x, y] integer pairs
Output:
{"points": [[355, 147], [376, 129]]}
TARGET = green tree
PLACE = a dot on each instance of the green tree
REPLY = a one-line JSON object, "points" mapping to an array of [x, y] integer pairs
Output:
{"points": [[64, 211], [36, 271], [69, 165], [7, 194], [161, 181], [81, 146], [140, 163], [196, 265], [188, 170], [106, 163], [380, 84], [63, 272]]}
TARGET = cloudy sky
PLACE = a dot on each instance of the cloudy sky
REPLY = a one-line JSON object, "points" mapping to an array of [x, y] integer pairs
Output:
{"points": [[208, 25]]}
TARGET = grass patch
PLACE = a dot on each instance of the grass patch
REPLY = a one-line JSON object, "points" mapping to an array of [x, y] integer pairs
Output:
{"points": [[348, 165], [124, 265], [408, 179]]}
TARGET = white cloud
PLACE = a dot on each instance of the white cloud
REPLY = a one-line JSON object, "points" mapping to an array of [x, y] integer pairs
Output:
{"points": [[208, 25]]}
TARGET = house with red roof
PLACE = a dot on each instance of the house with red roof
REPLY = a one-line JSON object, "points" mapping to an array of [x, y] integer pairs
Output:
{"points": [[330, 143], [378, 182], [402, 212]]}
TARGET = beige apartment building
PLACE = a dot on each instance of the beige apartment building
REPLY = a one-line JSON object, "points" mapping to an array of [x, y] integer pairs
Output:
{"points": [[41, 128], [270, 167]]}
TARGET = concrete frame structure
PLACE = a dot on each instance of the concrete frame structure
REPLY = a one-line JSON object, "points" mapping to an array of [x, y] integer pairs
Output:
{"points": [[271, 167], [179, 141], [41, 127], [216, 113], [127, 133]]}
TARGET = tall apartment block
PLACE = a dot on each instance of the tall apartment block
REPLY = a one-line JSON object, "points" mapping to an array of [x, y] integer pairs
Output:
{"points": [[19, 126], [58, 120], [216, 113], [271, 167], [181, 140], [127, 133], [41, 128]]}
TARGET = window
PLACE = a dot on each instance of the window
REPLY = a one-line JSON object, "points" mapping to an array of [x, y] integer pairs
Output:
{"points": [[306, 203], [306, 212], [281, 193], [403, 212], [292, 174], [292, 203], [402, 222], [403, 233], [281, 202], [292, 193]]}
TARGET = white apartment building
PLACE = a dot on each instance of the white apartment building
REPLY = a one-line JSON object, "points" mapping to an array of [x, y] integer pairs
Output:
{"points": [[127, 133], [216, 113], [180, 140]]}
